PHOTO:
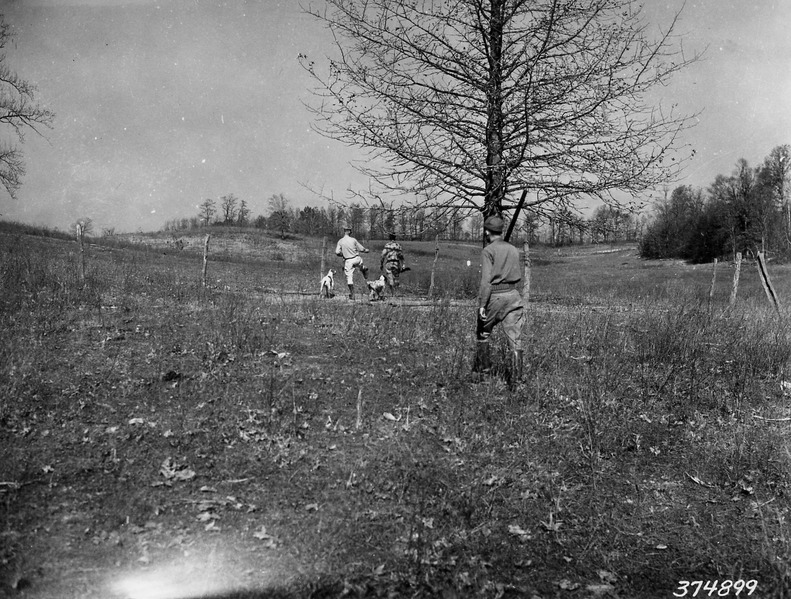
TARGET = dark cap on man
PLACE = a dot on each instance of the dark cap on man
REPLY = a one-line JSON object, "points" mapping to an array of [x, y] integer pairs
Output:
{"points": [[494, 224]]}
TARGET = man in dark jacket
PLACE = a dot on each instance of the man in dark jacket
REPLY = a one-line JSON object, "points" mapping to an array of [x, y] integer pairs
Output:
{"points": [[499, 299], [392, 263]]}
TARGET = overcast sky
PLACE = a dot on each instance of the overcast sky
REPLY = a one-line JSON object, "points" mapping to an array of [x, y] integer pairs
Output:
{"points": [[162, 104]]}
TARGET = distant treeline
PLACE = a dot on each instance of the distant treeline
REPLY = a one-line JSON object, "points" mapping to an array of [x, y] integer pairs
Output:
{"points": [[606, 225], [745, 212]]}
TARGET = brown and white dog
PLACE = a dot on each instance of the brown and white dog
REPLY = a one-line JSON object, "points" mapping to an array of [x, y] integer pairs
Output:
{"points": [[377, 289], [328, 284]]}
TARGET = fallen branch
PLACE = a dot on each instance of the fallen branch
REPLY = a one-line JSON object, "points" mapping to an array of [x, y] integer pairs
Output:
{"points": [[696, 480], [771, 419]]}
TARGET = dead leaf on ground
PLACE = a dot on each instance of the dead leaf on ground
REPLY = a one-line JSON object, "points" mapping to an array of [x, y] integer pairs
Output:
{"points": [[518, 531], [268, 540], [178, 472], [598, 590], [607, 577], [207, 516], [552, 525], [746, 488], [567, 585], [695, 479]]}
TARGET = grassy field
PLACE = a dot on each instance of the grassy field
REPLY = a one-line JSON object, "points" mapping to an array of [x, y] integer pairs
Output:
{"points": [[159, 439]]}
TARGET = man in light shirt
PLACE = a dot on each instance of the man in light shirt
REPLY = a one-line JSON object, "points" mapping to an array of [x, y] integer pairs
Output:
{"points": [[350, 249]]}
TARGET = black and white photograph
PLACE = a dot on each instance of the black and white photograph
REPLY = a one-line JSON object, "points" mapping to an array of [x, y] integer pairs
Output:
{"points": [[395, 298]]}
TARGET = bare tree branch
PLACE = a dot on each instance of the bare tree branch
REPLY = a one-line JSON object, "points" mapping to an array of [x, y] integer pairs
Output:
{"points": [[19, 113], [466, 103]]}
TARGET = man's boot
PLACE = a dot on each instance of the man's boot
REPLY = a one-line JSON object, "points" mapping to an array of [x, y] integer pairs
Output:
{"points": [[482, 365], [351, 292], [516, 368]]}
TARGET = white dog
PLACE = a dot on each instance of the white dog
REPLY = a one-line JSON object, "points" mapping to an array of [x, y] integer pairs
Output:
{"points": [[328, 284], [377, 289]]}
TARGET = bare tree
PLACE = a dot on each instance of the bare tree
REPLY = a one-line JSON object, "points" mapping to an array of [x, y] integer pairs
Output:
{"points": [[476, 226], [466, 102], [745, 212], [243, 215], [278, 202], [83, 226], [228, 207], [356, 219], [773, 178], [280, 214], [19, 113], [206, 211], [374, 222], [455, 224]]}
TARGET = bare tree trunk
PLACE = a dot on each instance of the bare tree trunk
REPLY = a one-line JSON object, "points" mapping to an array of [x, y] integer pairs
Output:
{"points": [[526, 281], [205, 259], [496, 184], [787, 210]]}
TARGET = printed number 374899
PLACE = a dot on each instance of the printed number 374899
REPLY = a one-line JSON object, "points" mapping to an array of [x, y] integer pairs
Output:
{"points": [[714, 588]]}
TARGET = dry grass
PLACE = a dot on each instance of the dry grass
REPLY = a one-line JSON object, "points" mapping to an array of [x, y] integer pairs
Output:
{"points": [[297, 447]]}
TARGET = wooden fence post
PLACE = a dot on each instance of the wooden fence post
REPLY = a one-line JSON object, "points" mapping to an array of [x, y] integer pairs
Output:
{"points": [[205, 259], [713, 281], [526, 281], [433, 268], [81, 241], [736, 273], [767, 282], [323, 256]]}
